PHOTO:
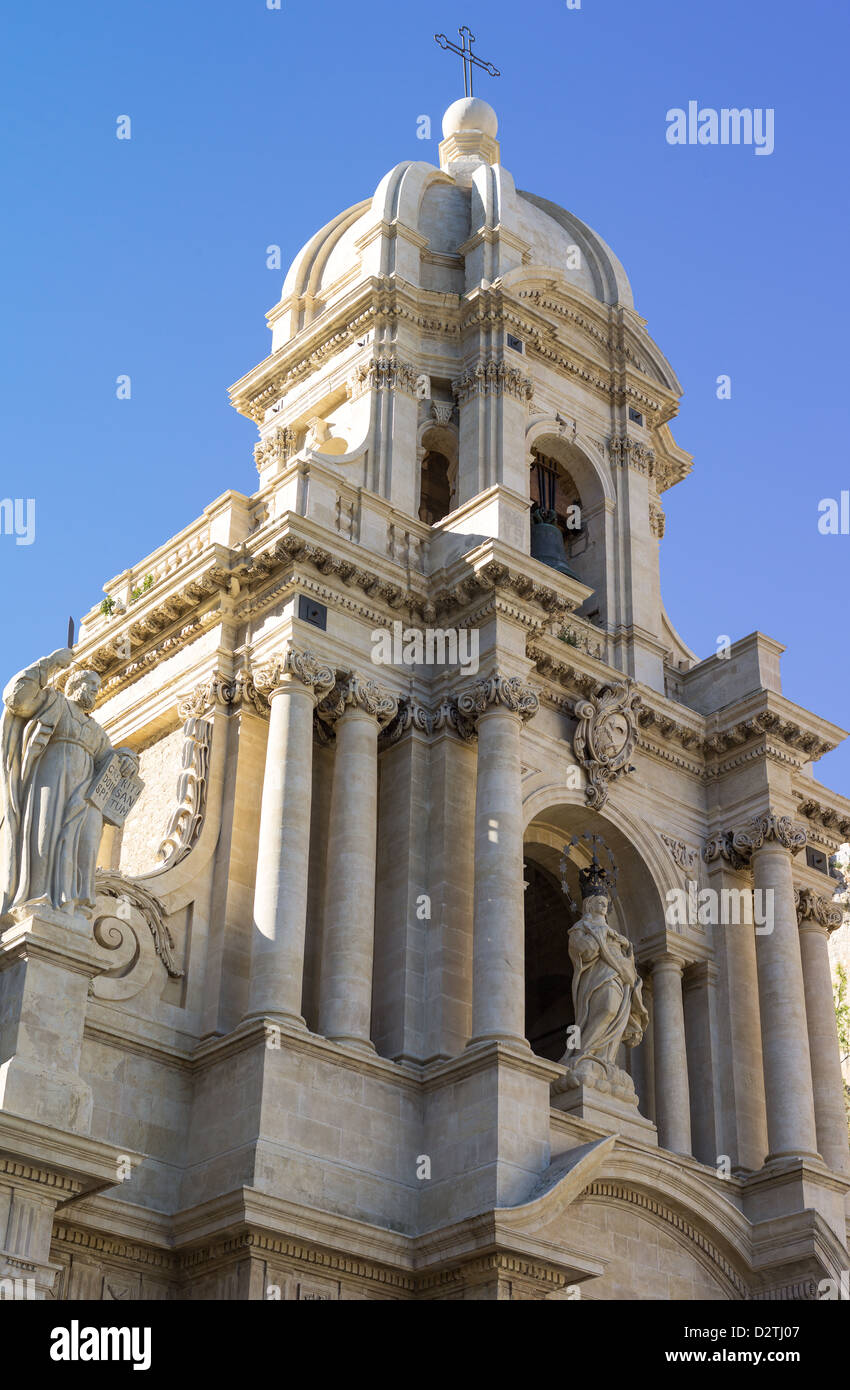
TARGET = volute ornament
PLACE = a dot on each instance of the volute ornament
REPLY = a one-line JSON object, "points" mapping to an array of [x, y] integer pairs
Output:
{"points": [[496, 689]]}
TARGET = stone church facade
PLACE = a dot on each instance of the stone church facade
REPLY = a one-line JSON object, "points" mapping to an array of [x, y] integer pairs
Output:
{"points": [[308, 1041]]}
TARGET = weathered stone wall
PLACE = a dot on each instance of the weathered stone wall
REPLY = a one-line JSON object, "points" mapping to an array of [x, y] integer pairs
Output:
{"points": [[145, 827]]}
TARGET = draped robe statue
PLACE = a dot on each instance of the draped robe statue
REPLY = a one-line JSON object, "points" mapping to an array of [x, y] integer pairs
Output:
{"points": [[607, 995], [51, 753]]}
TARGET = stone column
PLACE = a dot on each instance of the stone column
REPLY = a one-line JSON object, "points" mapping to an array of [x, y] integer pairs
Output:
{"points": [[499, 704], [817, 917], [672, 1095], [280, 894], [771, 840], [359, 708]]}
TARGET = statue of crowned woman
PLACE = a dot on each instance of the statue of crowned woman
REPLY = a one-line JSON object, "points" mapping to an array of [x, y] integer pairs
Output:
{"points": [[607, 994], [60, 778]]}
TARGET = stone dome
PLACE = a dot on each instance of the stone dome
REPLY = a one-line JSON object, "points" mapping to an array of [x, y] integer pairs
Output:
{"points": [[449, 229]]}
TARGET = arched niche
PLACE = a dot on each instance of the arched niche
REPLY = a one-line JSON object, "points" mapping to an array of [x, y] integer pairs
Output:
{"points": [[437, 487], [637, 912], [560, 467]]}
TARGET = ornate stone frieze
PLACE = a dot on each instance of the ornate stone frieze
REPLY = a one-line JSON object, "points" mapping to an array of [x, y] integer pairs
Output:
{"points": [[187, 818], [492, 378], [111, 884], [766, 828], [818, 908], [683, 855], [385, 374], [276, 448], [606, 736], [630, 453], [509, 691], [356, 690]]}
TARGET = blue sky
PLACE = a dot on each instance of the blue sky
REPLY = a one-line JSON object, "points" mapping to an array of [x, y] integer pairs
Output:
{"points": [[253, 126]]}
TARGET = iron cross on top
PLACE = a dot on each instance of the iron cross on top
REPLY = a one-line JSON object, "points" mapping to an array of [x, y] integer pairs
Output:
{"points": [[467, 39]]}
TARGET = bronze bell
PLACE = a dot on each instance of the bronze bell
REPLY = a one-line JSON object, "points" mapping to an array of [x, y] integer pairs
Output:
{"points": [[547, 543]]}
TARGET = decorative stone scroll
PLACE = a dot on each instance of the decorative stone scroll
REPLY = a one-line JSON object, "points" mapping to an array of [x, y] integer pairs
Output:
{"points": [[118, 931], [816, 907], [769, 827], [496, 689], [605, 738], [304, 666], [353, 689], [187, 819], [720, 846]]}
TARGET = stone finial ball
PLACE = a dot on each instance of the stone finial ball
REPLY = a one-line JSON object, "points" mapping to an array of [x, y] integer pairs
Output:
{"points": [[468, 114]]}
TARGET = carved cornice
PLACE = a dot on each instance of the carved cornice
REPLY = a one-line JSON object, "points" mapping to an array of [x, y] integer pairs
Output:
{"points": [[815, 907], [509, 692], [835, 821]]}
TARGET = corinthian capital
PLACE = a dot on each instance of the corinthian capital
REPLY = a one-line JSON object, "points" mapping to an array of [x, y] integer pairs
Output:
{"points": [[720, 846], [302, 666], [354, 690], [766, 828], [814, 907], [496, 689]]}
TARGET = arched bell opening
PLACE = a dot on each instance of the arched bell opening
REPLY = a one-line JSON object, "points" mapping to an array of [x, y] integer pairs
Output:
{"points": [[570, 515]]}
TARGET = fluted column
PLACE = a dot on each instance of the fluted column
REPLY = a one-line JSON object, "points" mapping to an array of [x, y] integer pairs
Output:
{"points": [[499, 705], [280, 894], [771, 840], [818, 916], [359, 708], [672, 1093]]}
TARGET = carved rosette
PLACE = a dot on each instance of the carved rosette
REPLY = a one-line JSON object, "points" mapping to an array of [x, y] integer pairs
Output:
{"points": [[606, 736], [508, 691], [305, 667], [768, 828], [354, 690], [815, 907]]}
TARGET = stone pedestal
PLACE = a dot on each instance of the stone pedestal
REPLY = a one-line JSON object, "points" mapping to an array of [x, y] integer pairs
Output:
{"points": [[46, 962], [603, 1110]]}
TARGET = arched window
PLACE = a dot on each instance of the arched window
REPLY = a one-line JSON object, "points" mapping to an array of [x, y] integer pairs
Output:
{"points": [[553, 490], [435, 496]]}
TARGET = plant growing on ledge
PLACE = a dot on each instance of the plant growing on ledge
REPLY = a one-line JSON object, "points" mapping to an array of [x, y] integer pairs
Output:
{"points": [[146, 584], [107, 607], [567, 635]]}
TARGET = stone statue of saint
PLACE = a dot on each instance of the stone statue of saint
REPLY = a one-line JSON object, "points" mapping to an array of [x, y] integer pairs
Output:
{"points": [[607, 995], [51, 755]]}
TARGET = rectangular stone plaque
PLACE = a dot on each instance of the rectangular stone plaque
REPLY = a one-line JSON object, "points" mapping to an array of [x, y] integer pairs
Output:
{"points": [[114, 795]]}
